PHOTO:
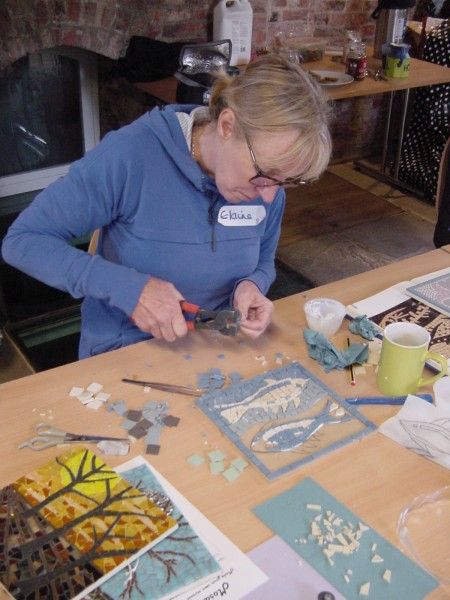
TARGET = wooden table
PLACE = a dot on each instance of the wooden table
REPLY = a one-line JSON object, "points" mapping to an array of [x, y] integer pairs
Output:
{"points": [[376, 478], [421, 73]]}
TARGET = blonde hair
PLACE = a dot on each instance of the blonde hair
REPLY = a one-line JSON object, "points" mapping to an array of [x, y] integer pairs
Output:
{"points": [[273, 95]]}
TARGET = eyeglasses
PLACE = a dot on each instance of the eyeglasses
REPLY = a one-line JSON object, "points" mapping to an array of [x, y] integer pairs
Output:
{"points": [[263, 180]]}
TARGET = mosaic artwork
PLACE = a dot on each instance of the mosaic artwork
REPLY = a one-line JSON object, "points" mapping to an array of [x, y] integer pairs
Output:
{"points": [[180, 559], [413, 311], [283, 418], [68, 526], [341, 547], [435, 292]]}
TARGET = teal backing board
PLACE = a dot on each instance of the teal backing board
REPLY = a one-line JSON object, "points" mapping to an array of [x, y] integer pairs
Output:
{"points": [[288, 516]]}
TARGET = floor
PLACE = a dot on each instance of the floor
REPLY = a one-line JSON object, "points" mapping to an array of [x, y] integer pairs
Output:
{"points": [[347, 223]]}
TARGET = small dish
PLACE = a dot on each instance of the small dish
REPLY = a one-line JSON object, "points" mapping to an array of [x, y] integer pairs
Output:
{"points": [[324, 315], [428, 513], [331, 78]]}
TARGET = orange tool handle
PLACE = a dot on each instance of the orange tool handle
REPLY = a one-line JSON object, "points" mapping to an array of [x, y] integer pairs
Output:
{"points": [[189, 308], [192, 309]]}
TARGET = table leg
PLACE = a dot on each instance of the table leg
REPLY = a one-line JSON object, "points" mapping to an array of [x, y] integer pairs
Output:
{"points": [[380, 172]]}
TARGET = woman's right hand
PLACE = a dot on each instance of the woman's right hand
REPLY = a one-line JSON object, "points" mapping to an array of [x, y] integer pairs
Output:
{"points": [[158, 311]]}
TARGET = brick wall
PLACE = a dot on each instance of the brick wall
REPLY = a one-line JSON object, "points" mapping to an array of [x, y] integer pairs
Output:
{"points": [[105, 27]]}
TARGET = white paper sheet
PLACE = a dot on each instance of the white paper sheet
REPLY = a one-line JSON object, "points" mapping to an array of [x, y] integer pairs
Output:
{"points": [[291, 577], [239, 575], [424, 427]]}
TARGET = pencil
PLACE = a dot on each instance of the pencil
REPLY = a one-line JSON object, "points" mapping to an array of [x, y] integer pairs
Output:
{"points": [[352, 371]]}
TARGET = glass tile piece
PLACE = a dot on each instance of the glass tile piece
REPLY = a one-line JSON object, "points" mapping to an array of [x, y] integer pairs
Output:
{"points": [[216, 455], [217, 467], [195, 460], [239, 463], [231, 474]]}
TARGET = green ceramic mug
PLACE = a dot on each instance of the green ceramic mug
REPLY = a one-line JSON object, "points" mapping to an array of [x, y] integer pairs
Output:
{"points": [[403, 355]]}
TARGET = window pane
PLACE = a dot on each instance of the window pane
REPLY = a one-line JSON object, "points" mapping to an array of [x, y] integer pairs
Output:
{"points": [[40, 113]]}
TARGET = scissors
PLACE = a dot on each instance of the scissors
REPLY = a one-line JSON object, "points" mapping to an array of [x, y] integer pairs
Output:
{"points": [[48, 436]]}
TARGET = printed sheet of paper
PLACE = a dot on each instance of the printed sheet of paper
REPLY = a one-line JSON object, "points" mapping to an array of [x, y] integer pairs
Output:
{"points": [[238, 575], [346, 551], [284, 418], [70, 525], [290, 577]]}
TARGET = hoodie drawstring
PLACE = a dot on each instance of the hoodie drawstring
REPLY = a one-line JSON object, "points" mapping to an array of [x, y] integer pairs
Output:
{"points": [[212, 218]]}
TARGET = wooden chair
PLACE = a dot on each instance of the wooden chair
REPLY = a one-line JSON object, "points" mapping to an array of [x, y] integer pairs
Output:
{"points": [[92, 248], [442, 229]]}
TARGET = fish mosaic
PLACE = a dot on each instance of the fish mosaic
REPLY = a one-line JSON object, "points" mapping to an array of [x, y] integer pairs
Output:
{"points": [[283, 418], [293, 434]]}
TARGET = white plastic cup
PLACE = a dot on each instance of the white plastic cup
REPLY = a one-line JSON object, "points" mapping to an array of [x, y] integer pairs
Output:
{"points": [[324, 315]]}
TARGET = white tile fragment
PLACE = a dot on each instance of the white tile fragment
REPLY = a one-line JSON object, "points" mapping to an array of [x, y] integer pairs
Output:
{"points": [[347, 578], [387, 576], [376, 558], [349, 572], [364, 589], [94, 404], [85, 397], [363, 527], [314, 507], [75, 391], [94, 387], [374, 547], [147, 389], [114, 447], [102, 396]]}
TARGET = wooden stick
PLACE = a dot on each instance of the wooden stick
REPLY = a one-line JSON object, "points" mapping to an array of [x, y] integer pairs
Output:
{"points": [[352, 371]]}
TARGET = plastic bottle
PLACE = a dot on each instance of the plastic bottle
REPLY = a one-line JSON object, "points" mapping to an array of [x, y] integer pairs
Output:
{"points": [[356, 62], [233, 20]]}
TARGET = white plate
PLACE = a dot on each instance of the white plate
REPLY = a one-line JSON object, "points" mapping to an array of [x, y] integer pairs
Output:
{"points": [[338, 78]]}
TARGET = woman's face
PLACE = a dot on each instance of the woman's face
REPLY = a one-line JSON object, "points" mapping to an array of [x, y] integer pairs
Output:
{"points": [[234, 166]]}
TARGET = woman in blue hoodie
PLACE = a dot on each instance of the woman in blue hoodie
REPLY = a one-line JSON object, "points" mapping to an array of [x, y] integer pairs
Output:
{"points": [[189, 202]]}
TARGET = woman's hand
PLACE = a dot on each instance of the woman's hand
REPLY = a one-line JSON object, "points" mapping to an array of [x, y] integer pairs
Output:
{"points": [[158, 311], [256, 309]]}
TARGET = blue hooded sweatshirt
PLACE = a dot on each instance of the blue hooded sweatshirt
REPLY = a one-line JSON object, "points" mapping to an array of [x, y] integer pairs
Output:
{"points": [[159, 215]]}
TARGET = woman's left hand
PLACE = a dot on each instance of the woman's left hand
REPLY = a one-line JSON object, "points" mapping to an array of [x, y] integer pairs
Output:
{"points": [[255, 308]]}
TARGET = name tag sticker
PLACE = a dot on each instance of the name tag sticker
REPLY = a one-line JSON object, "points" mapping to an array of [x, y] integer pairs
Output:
{"points": [[241, 216]]}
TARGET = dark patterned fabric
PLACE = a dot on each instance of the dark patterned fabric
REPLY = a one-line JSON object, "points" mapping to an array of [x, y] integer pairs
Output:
{"points": [[430, 123]]}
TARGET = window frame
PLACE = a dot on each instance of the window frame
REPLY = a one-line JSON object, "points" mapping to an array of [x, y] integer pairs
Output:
{"points": [[39, 179]]}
